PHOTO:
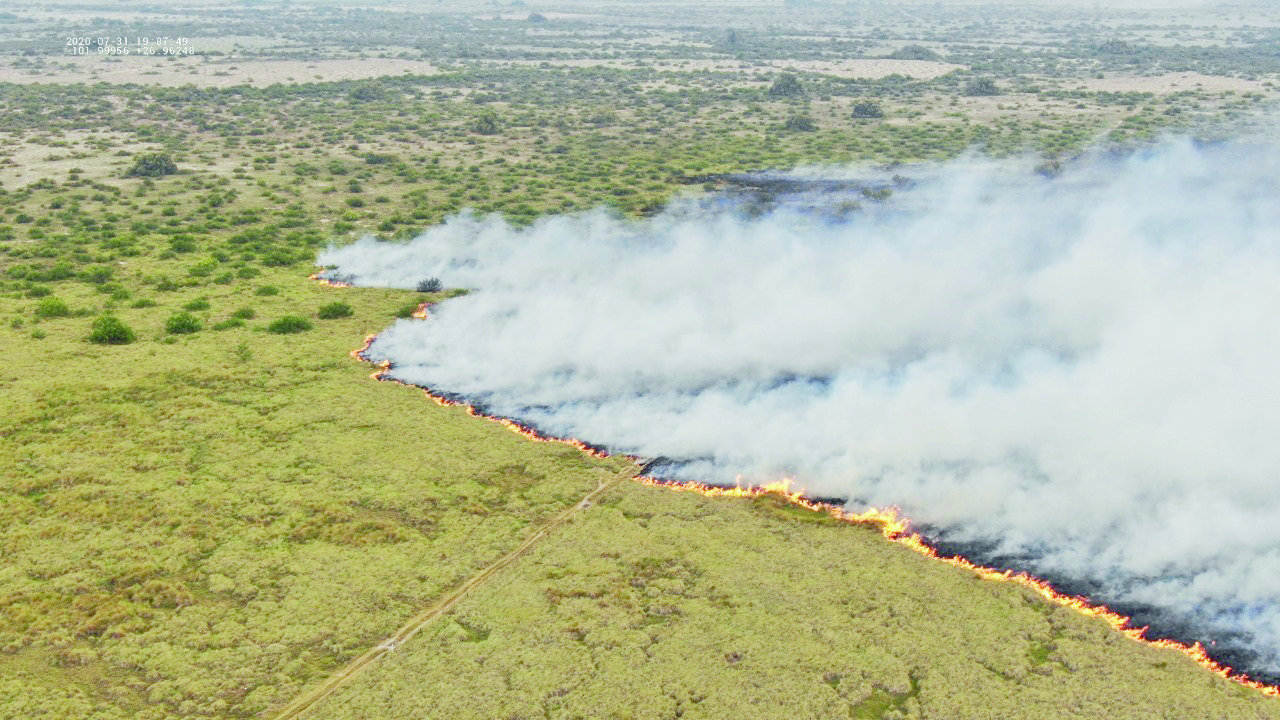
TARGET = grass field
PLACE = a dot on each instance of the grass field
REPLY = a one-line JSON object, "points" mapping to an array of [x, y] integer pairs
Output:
{"points": [[210, 519]]}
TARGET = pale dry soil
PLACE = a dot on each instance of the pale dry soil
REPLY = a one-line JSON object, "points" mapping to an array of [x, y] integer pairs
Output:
{"points": [[195, 70]]}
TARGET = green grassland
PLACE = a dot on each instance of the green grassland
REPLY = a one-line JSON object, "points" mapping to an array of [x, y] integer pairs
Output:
{"points": [[660, 604], [210, 519], [207, 525]]}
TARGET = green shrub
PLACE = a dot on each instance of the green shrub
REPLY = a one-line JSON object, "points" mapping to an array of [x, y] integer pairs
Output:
{"points": [[197, 305], [267, 290], [108, 330], [248, 272], [243, 314], [787, 85], [981, 87], [153, 165], [51, 307], [224, 279], [336, 309], [182, 324], [867, 110], [407, 311], [143, 303], [39, 291], [914, 52], [228, 324], [182, 244], [486, 123], [289, 324], [204, 268], [800, 123]]}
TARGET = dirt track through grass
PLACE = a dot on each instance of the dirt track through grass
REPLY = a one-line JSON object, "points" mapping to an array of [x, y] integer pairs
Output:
{"points": [[302, 704]]}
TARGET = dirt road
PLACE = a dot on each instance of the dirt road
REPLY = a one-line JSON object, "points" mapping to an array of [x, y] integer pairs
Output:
{"points": [[314, 696]]}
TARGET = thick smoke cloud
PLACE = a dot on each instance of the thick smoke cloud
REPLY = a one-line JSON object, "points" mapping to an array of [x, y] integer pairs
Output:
{"points": [[1079, 372]]}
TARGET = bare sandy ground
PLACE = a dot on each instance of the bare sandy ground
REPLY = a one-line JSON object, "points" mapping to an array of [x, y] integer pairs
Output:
{"points": [[859, 68], [872, 68], [194, 70], [1169, 83]]}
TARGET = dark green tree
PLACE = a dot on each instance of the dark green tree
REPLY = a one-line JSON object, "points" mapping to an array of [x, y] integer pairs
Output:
{"points": [[981, 87], [914, 52], [486, 123], [800, 123], [787, 85], [153, 165], [867, 110]]}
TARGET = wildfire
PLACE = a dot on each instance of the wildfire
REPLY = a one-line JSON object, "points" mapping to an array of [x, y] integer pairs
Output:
{"points": [[896, 528], [326, 281], [383, 373], [892, 524]]}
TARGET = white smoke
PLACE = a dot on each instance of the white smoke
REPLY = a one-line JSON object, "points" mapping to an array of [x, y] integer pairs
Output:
{"points": [[1081, 370]]}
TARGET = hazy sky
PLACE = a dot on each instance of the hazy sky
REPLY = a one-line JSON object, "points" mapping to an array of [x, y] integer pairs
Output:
{"points": [[1081, 369]]}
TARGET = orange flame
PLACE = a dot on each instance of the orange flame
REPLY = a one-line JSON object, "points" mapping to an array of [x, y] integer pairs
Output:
{"points": [[896, 528], [327, 281], [384, 368], [893, 526]]}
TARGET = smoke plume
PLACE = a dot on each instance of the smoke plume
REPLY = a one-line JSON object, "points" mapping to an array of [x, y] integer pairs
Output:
{"points": [[1075, 373]]}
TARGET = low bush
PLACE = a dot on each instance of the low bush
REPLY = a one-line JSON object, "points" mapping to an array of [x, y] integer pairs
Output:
{"points": [[867, 110], [333, 310], [800, 123], [108, 330], [152, 165], [51, 307], [182, 324], [289, 324]]}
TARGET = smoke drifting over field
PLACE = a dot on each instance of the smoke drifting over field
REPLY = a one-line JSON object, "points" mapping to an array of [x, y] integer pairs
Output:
{"points": [[1079, 373]]}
